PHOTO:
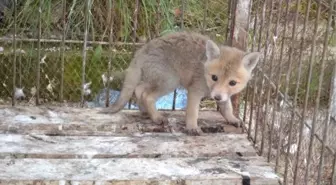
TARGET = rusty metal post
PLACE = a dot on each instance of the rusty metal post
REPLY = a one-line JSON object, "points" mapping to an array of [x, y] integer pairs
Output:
{"points": [[86, 22], [239, 35], [14, 59]]}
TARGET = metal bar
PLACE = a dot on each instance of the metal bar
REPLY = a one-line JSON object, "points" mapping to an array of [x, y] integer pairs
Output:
{"points": [[254, 81], [317, 102], [182, 14], [247, 92], [274, 47], [270, 17], [182, 28], [277, 87], [296, 91], [229, 19], [333, 176], [86, 22], [262, 81], [333, 93], [296, 111], [311, 62], [63, 50], [135, 27], [111, 19], [14, 59], [38, 70], [20, 67], [247, 89], [8, 39], [324, 140], [255, 25], [236, 97], [206, 4], [288, 75], [158, 17]]}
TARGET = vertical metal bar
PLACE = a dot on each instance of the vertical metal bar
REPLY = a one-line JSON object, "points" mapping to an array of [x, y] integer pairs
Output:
{"points": [[333, 95], [86, 22], [182, 14], [229, 19], [247, 92], [135, 27], [299, 77], [270, 17], [14, 59], [205, 14], [288, 75], [247, 88], [255, 24], [20, 66], [274, 47], [277, 87], [232, 22], [262, 78], [254, 81], [63, 50], [182, 28], [239, 39], [234, 98], [311, 64], [324, 140], [38, 70], [333, 175], [111, 45], [158, 17], [317, 100]]}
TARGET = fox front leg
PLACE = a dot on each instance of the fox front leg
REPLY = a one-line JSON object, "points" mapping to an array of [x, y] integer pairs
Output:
{"points": [[225, 108], [194, 99]]}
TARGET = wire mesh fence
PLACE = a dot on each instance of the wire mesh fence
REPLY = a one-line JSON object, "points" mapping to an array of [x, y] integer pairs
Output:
{"points": [[288, 109], [63, 46], [66, 52]]}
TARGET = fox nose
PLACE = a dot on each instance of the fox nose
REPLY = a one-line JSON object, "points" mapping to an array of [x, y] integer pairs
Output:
{"points": [[218, 97]]}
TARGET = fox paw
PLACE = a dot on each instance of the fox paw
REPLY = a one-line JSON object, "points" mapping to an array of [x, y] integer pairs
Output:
{"points": [[234, 121], [109, 110], [160, 120], [193, 131]]}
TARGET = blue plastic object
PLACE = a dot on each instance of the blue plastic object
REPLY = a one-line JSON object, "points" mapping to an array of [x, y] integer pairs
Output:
{"points": [[165, 102]]}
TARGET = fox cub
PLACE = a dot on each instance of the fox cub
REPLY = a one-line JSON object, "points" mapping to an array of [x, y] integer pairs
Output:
{"points": [[190, 60]]}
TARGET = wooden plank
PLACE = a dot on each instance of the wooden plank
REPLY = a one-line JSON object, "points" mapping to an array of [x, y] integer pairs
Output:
{"points": [[173, 171], [86, 121], [140, 145]]}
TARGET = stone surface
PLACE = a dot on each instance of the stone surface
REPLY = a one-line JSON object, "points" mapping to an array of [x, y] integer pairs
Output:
{"points": [[144, 145], [86, 121], [190, 170], [73, 146]]}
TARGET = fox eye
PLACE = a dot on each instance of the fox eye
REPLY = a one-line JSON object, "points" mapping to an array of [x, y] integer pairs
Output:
{"points": [[214, 77], [232, 83]]}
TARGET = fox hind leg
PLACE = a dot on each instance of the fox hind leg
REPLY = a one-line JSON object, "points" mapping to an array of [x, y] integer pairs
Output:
{"points": [[139, 90], [149, 99]]}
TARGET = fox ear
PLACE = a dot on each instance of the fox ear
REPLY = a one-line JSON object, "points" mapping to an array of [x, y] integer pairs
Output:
{"points": [[212, 50], [250, 60]]}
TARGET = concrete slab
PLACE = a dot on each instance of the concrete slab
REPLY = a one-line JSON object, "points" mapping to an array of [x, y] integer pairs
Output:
{"points": [[175, 171], [86, 121], [138, 145], [74, 146]]}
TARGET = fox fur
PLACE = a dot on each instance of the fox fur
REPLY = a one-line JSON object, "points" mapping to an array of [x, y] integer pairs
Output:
{"points": [[193, 61]]}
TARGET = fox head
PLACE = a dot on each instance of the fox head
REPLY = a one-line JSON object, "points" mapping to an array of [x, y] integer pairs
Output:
{"points": [[227, 70]]}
